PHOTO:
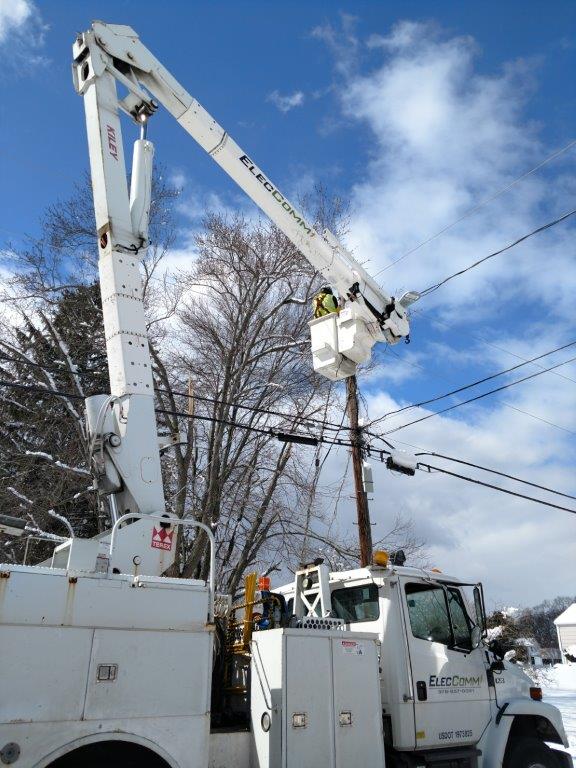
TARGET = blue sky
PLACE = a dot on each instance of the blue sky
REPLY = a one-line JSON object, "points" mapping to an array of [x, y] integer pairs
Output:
{"points": [[414, 112]]}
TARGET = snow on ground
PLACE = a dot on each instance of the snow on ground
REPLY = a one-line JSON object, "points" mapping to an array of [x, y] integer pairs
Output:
{"points": [[559, 688], [566, 703]]}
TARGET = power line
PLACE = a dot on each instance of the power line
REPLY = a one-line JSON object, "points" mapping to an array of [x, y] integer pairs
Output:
{"points": [[504, 402], [69, 371], [280, 436], [41, 390], [477, 207], [472, 384], [436, 286], [330, 425], [422, 452], [474, 480], [496, 472], [284, 436], [304, 419], [327, 454], [481, 339], [479, 397]]}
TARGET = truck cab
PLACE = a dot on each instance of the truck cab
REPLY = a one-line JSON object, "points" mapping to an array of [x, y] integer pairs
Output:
{"points": [[446, 697]]}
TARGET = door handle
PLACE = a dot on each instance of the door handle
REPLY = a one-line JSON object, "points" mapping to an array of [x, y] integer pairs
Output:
{"points": [[421, 691]]}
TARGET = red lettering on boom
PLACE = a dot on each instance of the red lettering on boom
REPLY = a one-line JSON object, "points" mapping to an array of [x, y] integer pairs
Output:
{"points": [[112, 145]]}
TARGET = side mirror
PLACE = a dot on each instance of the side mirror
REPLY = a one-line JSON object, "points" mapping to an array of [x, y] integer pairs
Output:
{"points": [[479, 609], [497, 666], [476, 636]]}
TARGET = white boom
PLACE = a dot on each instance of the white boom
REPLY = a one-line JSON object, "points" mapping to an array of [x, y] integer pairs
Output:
{"points": [[114, 53], [125, 453]]}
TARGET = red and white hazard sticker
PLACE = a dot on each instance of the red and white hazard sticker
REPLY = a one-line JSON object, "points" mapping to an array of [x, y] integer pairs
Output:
{"points": [[162, 538], [353, 647]]}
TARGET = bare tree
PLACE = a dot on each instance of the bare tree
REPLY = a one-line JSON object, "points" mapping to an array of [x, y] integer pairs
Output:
{"points": [[242, 342], [230, 347], [52, 342]]}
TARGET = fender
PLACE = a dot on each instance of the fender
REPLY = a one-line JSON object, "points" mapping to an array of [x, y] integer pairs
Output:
{"points": [[493, 742], [113, 735]]}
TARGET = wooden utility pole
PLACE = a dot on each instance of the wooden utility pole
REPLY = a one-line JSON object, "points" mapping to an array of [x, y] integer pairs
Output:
{"points": [[362, 511]]}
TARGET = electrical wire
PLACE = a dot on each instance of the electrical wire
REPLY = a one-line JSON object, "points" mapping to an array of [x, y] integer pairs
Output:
{"points": [[272, 433], [477, 337], [479, 397], [330, 425], [264, 431], [495, 472], [198, 417], [474, 480], [464, 462], [436, 286], [41, 390], [420, 464], [423, 452], [77, 372], [477, 207], [327, 454], [472, 384], [504, 402]]}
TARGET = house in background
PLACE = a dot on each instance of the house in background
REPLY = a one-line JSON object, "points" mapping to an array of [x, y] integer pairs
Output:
{"points": [[551, 656], [566, 629], [529, 651]]}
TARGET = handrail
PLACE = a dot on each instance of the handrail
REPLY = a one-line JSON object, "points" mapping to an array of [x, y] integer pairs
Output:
{"points": [[176, 521]]}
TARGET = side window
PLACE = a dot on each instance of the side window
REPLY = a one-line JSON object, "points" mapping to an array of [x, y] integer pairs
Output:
{"points": [[356, 603], [461, 624], [439, 615], [428, 613]]}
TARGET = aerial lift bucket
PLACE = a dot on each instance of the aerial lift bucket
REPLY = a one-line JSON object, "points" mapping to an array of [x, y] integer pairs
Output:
{"points": [[340, 342], [326, 357]]}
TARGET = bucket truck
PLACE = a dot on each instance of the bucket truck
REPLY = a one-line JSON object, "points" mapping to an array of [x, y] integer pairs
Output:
{"points": [[105, 661]]}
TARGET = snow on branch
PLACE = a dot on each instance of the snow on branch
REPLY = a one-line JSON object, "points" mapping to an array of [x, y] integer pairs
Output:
{"points": [[59, 464], [20, 496], [65, 350]]}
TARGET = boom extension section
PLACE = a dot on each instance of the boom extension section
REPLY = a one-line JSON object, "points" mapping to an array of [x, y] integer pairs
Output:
{"points": [[367, 314], [122, 427]]}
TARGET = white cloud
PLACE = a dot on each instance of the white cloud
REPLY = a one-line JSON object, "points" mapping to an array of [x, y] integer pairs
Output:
{"points": [[439, 137], [22, 32], [343, 43], [14, 14], [286, 102], [523, 552], [178, 179]]}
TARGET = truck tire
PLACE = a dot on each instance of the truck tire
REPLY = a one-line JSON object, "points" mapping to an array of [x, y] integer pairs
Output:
{"points": [[532, 753]]}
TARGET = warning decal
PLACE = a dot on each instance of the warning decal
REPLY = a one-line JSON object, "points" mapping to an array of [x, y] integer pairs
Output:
{"points": [[352, 646], [162, 538]]}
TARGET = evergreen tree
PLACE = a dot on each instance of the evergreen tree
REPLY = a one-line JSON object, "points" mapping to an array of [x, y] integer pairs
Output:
{"points": [[43, 446]]}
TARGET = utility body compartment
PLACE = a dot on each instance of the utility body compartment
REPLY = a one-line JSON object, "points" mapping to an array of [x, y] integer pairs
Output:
{"points": [[315, 699], [91, 657]]}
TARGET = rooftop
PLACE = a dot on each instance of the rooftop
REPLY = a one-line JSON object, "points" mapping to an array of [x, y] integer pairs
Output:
{"points": [[567, 617]]}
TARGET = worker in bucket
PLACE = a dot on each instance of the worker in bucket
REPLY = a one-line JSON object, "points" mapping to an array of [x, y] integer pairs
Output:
{"points": [[324, 302]]}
